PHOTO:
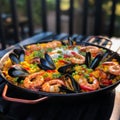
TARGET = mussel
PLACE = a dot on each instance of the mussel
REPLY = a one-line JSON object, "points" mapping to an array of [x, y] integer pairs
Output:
{"points": [[88, 59], [49, 59], [95, 62], [71, 84], [68, 42], [17, 56], [74, 83], [108, 55], [113, 55], [66, 69], [46, 63], [65, 89], [14, 58], [17, 71]]}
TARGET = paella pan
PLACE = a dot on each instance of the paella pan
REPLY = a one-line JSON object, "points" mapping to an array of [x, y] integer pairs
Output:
{"points": [[62, 68]]}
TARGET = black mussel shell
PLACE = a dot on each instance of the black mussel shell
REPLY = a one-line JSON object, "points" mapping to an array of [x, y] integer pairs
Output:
{"points": [[88, 59], [17, 71], [22, 57], [95, 62], [49, 60], [20, 53], [105, 55], [63, 42], [66, 69], [19, 79], [65, 89], [45, 64], [113, 55], [74, 83], [13, 57], [112, 76], [43, 67]]}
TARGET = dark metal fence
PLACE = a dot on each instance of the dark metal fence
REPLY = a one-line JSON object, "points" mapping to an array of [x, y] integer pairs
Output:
{"points": [[29, 8]]}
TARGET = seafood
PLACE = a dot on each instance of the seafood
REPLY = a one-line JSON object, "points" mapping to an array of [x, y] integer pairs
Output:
{"points": [[54, 67], [88, 86], [66, 69], [46, 63], [35, 60], [92, 49], [17, 71], [75, 85], [77, 58], [69, 41], [95, 62], [33, 81], [51, 44], [65, 89], [52, 85], [17, 56], [88, 59], [114, 68]]}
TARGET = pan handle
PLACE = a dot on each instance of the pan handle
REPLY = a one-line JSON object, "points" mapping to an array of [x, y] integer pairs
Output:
{"points": [[20, 100]]}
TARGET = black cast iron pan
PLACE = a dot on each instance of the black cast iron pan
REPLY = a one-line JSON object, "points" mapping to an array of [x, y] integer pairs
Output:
{"points": [[47, 95]]}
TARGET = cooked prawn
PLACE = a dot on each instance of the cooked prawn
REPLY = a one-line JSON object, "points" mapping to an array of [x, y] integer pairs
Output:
{"points": [[52, 44], [33, 81], [77, 58], [110, 63], [87, 86], [52, 85], [92, 49], [56, 43], [114, 68]]}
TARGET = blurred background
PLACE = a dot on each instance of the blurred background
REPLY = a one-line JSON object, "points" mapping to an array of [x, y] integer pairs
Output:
{"points": [[64, 5]]}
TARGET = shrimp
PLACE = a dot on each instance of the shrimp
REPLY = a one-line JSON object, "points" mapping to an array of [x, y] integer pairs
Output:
{"points": [[52, 44], [87, 86], [92, 49], [34, 47], [52, 85], [114, 68], [56, 43], [77, 58], [109, 63], [33, 81]]}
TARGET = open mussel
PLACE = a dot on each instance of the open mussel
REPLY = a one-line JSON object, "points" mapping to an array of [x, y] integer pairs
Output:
{"points": [[74, 83], [49, 59], [17, 71], [108, 55], [66, 69], [92, 63], [65, 89], [46, 63], [88, 59], [14, 58], [17, 56], [20, 53], [95, 62], [69, 41], [73, 86]]}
